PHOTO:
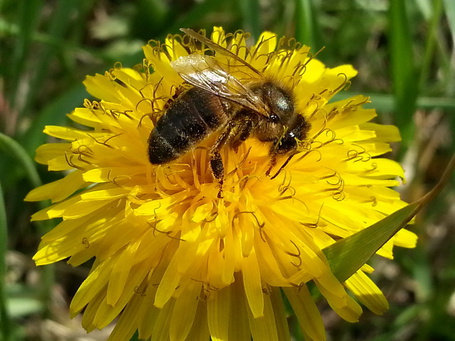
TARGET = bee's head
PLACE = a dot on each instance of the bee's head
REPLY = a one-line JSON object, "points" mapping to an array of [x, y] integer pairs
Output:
{"points": [[296, 131]]}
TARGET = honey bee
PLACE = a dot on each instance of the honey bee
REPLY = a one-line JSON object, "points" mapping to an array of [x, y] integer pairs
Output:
{"points": [[218, 102]]}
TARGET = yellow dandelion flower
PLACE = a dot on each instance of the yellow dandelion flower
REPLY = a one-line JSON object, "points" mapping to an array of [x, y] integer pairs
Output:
{"points": [[182, 254]]}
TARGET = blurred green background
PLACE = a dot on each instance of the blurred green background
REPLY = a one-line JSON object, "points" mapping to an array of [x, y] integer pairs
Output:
{"points": [[404, 51]]}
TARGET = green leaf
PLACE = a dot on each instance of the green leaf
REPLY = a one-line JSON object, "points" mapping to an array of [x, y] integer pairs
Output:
{"points": [[348, 255]]}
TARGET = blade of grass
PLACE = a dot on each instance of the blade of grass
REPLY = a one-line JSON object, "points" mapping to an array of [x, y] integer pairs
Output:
{"points": [[75, 41], [425, 8], [57, 29], [5, 321], [430, 45], [404, 75], [250, 12], [348, 255], [305, 23], [191, 19], [449, 6], [53, 113], [386, 102], [28, 21], [19, 153], [151, 17]]}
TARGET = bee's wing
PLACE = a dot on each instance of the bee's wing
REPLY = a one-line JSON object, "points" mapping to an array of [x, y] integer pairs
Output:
{"points": [[217, 48], [203, 72]]}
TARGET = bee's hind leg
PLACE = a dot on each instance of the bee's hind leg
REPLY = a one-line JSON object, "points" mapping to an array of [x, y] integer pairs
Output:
{"points": [[236, 132]]}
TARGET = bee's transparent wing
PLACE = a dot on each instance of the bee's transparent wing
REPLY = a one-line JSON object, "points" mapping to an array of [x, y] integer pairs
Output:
{"points": [[203, 72]]}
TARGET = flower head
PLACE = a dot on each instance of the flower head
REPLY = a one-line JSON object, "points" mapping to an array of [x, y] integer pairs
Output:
{"points": [[180, 254]]}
